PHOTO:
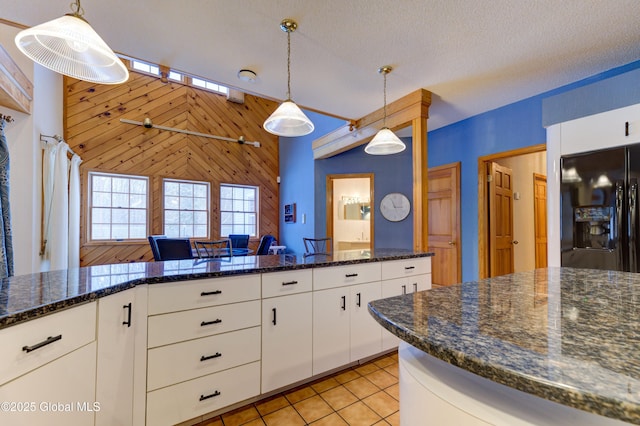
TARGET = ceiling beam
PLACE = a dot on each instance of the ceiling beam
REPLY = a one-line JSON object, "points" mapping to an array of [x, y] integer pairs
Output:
{"points": [[400, 114]]}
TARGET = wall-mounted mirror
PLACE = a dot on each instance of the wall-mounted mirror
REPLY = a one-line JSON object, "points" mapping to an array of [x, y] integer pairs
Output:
{"points": [[357, 211]]}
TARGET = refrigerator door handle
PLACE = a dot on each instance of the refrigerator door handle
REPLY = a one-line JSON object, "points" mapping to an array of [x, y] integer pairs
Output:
{"points": [[633, 225], [619, 194]]}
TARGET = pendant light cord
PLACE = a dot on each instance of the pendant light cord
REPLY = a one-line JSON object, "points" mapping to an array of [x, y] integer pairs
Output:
{"points": [[289, 65], [384, 120]]}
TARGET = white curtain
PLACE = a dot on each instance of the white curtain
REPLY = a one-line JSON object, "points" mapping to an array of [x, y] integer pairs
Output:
{"points": [[61, 184]]}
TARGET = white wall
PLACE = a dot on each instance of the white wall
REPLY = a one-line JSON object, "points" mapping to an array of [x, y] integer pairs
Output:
{"points": [[523, 167], [25, 153], [343, 229]]}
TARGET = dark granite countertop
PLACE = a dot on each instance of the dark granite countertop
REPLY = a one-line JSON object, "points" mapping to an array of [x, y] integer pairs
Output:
{"points": [[568, 335], [26, 297]]}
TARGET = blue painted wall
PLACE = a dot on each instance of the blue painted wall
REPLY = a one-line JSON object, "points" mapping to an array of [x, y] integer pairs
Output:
{"points": [[297, 181], [392, 173], [513, 126]]}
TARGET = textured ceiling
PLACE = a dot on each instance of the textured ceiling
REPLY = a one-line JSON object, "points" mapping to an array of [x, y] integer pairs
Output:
{"points": [[473, 55]]}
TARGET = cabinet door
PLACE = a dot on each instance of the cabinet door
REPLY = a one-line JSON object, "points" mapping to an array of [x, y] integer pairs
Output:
{"points": [[60, 393], [330, 329], [114, 380], [390, 288], [366, 333], [286, 340]]}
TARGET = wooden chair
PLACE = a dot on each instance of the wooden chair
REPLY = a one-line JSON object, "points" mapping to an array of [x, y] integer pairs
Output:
{"points": [[174, 248], [314, 246], [216, 248]]}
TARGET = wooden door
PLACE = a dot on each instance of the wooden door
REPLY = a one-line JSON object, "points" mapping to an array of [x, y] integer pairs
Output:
{"points": [[540, 218], [500, 220], [444, 223]]}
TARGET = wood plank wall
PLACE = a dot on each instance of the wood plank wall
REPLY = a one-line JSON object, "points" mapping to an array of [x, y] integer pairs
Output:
{"points": [[93, 129]]}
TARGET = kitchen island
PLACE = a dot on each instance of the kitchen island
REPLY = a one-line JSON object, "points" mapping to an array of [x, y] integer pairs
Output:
{"points": [[550, 346], [161, 343]]}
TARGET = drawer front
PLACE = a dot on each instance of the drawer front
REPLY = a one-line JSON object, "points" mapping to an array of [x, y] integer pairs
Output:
{"points": [[406, 267], [186, 325], [46, 338], [288, 282], [177, 363], [172, 297], [338, 276], [184, 401]]}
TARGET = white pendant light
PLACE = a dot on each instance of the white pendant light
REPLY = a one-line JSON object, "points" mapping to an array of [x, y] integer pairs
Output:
{"points": [[385, 142], [68, 45], [288, 119]]}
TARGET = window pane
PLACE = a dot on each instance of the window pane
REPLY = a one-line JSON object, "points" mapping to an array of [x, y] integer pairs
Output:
{"points": [[200, 191], [171, 188], [186, 217], [200, 204], [226, 205], [186, 190], [200, 231], [111, 197], [186, 231], [225, 230], [225, 192], [119, 232], [186, 203], [138, 201], [137, 231], [172, 217], [120, 200], [172, 203], [226, 218], [200, 218], [172, 231], [101, 199]]}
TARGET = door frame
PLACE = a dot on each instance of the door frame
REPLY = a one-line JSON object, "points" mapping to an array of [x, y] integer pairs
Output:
{"points": [[483, 198], [329, 202]]}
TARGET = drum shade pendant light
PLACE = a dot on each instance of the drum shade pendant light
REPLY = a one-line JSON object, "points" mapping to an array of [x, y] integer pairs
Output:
{"points": [[68, 45], [385, 142], [288, 119]]}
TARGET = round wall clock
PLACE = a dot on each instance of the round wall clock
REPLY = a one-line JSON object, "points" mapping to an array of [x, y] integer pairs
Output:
{"points": [[395, 206]]}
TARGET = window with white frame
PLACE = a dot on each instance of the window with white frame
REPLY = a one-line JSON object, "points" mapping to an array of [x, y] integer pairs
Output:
{"points": [[186, 209], [238, 210], [118, 207]]}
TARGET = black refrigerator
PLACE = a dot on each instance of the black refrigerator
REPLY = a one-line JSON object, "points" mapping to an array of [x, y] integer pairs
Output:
{"points": [[599, 205]]}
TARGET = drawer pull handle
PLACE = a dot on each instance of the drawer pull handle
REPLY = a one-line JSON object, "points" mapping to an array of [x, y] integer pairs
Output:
{"points": [[203, 397], [216, 321], [358, 302], [210, 293], [49, 341], [290, 283], [205, 358], [409, 267], [274, 316], [128, 308], [404, 289], [344, 303], [351, 275], [415, 287]]}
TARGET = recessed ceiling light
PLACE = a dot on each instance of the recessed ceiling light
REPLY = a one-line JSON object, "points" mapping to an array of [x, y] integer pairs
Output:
{"points": [[247, 76]]}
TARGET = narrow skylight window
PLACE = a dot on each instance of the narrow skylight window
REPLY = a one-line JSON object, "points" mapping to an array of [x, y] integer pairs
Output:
{"points": [[145, 67]]}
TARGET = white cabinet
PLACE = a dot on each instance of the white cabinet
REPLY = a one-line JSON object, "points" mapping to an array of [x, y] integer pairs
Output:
{"points": [[343, 330], [203, 346], [286, 328], [116, 342], [60, 393], [403, 277], [331, 332], [48, 369], [366, 333]]}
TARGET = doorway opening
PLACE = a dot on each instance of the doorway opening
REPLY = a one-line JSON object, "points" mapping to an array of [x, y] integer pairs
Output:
{"points": [[511, 217], [349, 212]]}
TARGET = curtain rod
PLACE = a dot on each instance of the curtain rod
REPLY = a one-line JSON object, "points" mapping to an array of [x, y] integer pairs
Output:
{"points": [[58, 138], [149, 125]]}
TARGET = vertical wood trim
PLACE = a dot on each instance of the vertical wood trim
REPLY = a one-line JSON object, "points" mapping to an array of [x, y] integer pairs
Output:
{"points": [[329, 204], [420, 185]]}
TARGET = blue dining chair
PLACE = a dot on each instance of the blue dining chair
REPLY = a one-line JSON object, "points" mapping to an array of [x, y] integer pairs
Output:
{"points": [[154, 245], [174, 248], [239, 240], [265, 243]]}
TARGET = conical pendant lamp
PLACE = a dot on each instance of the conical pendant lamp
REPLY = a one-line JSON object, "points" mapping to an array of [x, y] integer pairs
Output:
{"points": [[68, 45], [385, 142], [288, 119]]}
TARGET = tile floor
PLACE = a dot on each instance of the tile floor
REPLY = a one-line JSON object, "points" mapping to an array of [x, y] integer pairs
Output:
{"points": [[362, 395]]}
